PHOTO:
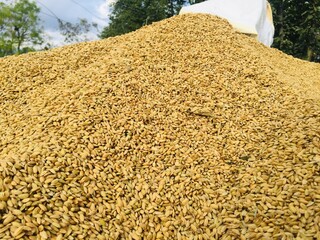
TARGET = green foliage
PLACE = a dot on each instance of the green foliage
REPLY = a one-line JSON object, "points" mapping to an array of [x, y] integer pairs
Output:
{"points": [[129, 15], [297, 26], [297, 22], [174, 7], [19, 27]]}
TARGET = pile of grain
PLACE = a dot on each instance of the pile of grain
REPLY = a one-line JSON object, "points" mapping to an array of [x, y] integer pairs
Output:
{"points": [[183, 129]]}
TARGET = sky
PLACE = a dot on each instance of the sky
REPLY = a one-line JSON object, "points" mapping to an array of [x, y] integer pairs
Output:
{"points": [[96, 11]]}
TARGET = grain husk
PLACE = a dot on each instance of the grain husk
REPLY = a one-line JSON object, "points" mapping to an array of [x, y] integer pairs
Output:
{"points": [[184, 129]]}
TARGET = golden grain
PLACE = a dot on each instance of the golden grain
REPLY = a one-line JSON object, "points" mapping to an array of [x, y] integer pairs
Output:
{"points": [[183, 129]]}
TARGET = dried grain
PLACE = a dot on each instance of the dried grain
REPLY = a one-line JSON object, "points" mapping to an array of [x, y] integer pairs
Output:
{"points": [[183, 129]]}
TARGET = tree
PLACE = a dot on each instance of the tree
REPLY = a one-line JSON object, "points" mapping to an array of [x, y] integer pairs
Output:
{"points": [[174, 7], [297, 25], [310, 31], [75, 32], [297, 22], [129, 15], [20, 29]]}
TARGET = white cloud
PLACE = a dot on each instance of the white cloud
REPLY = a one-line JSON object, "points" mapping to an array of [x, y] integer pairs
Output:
{"points": [[56, 39], [110, 2], [96, 11], [103, 9], [104, 12]]}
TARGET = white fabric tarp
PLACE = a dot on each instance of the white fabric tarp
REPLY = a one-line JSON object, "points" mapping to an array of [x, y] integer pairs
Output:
{"points": [[252, 17]]}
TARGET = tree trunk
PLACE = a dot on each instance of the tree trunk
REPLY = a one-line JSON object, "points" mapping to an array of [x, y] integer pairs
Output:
{"points": [[309, 54], [281, 21], [171, 7]]}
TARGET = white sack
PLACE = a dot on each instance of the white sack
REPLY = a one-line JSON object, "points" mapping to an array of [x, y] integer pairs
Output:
{"points": [[247, 16]]}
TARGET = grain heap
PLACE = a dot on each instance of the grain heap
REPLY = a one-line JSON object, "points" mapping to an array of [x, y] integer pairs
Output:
{"points": [[183, 129]]}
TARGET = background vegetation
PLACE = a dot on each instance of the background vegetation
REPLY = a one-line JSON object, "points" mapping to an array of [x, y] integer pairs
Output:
{"points": [[297, 24], [19, 27]]}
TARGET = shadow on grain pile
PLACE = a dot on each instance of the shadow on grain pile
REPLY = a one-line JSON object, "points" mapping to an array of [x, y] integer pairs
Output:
{"points": [[181, 130]]}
